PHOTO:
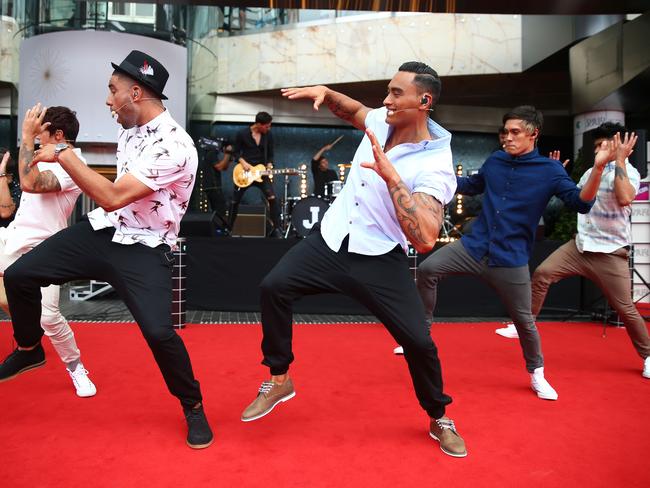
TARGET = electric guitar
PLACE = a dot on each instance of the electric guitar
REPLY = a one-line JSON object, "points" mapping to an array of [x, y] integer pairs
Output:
{"points": [[243, 178]]}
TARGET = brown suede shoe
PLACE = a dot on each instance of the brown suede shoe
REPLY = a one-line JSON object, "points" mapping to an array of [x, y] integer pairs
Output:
{"points": [[444, 431], [270, 394]]}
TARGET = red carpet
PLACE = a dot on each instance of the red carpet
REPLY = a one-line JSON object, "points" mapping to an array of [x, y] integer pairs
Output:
{"points": [[353, 423]]}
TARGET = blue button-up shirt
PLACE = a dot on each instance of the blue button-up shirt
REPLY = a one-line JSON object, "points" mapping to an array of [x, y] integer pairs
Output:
{"points": [[517, 190]]}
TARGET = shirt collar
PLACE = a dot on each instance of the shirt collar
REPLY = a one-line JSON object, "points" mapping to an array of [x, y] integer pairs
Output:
{"points": [[534, 154], [155, 122], [441, 136]]}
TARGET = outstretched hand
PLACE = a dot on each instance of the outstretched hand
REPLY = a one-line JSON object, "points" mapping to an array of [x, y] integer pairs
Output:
{"points": [[382, 165], [5, 161], [604, 154], [316, 93], [556, 155], [615, 149], [625, 147], [44, 154], [33, 123]]}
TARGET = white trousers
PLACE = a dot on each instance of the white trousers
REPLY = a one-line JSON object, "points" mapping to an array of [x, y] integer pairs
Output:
{"points": [[54, 324]]}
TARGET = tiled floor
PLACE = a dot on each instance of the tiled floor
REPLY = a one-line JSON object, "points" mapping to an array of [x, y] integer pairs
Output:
{"points": [[110, 308]]}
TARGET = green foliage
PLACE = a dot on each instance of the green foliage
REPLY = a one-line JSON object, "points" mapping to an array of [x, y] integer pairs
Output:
{"points": [[566, 224]]}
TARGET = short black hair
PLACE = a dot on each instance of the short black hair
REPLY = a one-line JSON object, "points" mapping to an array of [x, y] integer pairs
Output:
{"points": [[63, 119], [263, 118], [607, 130], [426, 78], [533, 118]]}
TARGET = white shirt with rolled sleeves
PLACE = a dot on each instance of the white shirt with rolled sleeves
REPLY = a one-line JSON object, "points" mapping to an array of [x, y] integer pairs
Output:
{"points": [[161, 155], [364, 209], [41, 215], [606, 227]]}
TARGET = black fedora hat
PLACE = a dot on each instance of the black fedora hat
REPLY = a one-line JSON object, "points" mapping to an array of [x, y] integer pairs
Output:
{"points": [[146, 70]]}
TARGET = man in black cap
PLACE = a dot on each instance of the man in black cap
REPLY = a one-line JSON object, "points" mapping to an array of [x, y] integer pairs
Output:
{"points": [[128, 240]]}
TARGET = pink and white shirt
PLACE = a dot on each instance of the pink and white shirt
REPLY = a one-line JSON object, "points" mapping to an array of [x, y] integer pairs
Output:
{"points": [[41, 215], [161, 155]]}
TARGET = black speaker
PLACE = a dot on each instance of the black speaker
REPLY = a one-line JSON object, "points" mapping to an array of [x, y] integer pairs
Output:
{"points": [[199, 224], [588, 154], [639, 158]]}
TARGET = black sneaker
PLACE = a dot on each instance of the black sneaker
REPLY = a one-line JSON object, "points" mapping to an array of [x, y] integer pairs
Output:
{"points": [[199, 434], [20, 361]]}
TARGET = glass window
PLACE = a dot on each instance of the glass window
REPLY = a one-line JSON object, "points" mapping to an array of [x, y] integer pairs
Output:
{"points": [[142, 13]]}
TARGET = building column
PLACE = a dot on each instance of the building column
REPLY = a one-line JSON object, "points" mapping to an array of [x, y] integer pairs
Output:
{"points": [[590, 120]]}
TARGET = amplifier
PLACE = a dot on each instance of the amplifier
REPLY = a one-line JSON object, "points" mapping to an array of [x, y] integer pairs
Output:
{"points": [[199, 224], [251, 221]]}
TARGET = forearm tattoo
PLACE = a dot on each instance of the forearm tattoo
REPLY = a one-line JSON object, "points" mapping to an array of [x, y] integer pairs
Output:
{"points": [[620, 173], [417, 214], [337, 109], [26, 155]]}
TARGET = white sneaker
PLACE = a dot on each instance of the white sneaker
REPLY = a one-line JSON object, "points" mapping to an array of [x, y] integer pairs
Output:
{"points": [[509, 331], [646, 368], [542, 387], [83, 385], [398, 350]]}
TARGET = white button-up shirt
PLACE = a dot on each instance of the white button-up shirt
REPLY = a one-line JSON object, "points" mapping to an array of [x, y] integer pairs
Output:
{"points": [[364, 209], [40, 215], [606, 227], [162, 156]]}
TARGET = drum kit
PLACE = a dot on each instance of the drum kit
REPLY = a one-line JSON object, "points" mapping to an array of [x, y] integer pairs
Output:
{"points": [[300, 214]]}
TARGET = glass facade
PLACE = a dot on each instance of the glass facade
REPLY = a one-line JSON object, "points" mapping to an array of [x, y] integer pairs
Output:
{"points": [[171, 21]]}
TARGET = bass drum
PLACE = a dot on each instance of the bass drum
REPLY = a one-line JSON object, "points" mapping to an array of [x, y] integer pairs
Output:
{"points": [[306, 213]]}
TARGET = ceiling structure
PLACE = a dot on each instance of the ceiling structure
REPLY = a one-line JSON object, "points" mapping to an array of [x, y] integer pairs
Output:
{"points": [[555, 7]]}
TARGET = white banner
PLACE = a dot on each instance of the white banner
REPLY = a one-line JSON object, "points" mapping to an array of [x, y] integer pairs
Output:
{"points": [[72, 68]]}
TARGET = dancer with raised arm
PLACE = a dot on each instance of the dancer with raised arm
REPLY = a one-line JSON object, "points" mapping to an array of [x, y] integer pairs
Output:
{"points": [[401, 176]]}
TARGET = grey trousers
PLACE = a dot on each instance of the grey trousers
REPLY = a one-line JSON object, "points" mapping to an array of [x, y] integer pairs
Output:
{"points": [[511, 284]]}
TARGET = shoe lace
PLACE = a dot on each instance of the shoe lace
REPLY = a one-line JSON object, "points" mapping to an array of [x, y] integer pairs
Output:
{"points": [[79, 372], [266, 386], [447, 424], [193, 414]]}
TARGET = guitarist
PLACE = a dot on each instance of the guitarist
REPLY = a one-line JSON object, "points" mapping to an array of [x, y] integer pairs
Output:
{"points": [[254, 145]]}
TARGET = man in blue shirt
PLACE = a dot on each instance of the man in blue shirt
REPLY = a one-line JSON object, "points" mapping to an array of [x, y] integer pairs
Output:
{"points": [[518, 183]]}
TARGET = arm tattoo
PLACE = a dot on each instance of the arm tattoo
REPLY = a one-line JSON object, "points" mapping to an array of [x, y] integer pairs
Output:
{"points": [[620, 173], [337, 109], [46, 182], [416, 214], [25, 155]]}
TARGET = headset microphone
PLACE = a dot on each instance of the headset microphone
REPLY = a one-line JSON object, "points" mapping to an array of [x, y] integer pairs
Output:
{"points": [[393, 112], [115, 111]]}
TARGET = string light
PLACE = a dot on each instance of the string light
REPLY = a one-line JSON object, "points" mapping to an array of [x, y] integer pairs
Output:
{"points": [[342, 171], [203, 197], [459, 197], [303, 180]]}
